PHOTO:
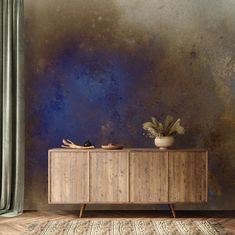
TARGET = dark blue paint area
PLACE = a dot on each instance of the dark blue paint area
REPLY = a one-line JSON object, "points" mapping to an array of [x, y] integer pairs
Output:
{"points": [[89, 96]]}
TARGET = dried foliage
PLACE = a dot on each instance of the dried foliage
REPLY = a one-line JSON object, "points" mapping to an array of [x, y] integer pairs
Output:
{"points": [[170, 127]]}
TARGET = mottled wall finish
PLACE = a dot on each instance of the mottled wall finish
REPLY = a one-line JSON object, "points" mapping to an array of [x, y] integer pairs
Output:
{"points": [[97, 69]]}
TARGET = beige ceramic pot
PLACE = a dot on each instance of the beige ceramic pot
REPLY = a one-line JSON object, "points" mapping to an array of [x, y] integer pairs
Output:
{"points": [[164, 142]]}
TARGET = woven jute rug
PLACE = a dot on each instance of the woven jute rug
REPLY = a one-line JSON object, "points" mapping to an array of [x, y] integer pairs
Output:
{"points": [[126, 227]]}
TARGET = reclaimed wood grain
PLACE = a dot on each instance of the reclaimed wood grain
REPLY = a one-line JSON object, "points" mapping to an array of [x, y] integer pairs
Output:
{"points": [[109, 180], [127, 176], [148, 177], [68, 177], [125, 150], [188, 176]]}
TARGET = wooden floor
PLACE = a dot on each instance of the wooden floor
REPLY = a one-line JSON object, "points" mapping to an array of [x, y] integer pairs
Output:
{"points": [[17, 225]]}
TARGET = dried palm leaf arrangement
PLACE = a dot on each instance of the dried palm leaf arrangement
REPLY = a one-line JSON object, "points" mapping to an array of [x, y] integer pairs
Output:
{"points": [[164, 133]]}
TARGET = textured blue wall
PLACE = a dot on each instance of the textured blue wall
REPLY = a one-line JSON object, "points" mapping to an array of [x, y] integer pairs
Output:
{"points": [[98, 69]]}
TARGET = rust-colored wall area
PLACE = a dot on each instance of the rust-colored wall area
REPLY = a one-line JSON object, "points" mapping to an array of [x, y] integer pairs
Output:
{"points": [[98, 69]]}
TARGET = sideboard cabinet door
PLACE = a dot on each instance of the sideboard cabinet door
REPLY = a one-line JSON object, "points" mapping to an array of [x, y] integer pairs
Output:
{"points": [[148, 177], [109, 177], [187, 176], [68, 177]]}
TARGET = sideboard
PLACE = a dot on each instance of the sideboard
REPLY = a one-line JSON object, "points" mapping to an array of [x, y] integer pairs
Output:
{"points": [[137, 176]]}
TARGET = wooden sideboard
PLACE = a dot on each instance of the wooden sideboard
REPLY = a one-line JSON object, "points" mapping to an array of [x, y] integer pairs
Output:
{"points": [[137, 176]]}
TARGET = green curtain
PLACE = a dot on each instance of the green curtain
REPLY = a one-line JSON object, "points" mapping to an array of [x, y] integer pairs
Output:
{"points": [[12, 108]]}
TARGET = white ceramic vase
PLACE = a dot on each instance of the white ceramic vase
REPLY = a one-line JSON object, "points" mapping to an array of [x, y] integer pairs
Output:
{"points": [[164, 142]]}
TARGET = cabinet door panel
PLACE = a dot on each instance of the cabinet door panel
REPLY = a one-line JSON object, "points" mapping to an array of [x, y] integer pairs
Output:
{"points": [[148, 177], [187, 176], [68, 177], [109, 177]]}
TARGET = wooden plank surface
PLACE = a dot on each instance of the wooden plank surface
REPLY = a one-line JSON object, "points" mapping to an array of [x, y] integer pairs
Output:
{"points": [[125, 150], [17, 225], [148, 177], [68, 177], [127, 176], [187, 176], [109, 177]]}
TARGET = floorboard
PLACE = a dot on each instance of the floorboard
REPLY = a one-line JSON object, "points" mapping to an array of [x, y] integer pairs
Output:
{"points": [[17, 225]]}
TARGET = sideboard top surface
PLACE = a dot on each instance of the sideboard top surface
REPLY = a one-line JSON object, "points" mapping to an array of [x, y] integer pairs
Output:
{"points": [[126, 150]]}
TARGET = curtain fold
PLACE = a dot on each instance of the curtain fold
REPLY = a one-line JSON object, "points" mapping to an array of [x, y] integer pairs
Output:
{"points": [[12, 108]]}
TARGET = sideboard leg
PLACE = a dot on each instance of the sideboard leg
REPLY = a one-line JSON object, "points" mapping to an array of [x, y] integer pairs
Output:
{"points": [[172, 210], [82, 209]]}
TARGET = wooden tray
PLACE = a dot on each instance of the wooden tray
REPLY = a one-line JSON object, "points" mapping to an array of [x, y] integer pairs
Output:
{"points": [[112, 147]]}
